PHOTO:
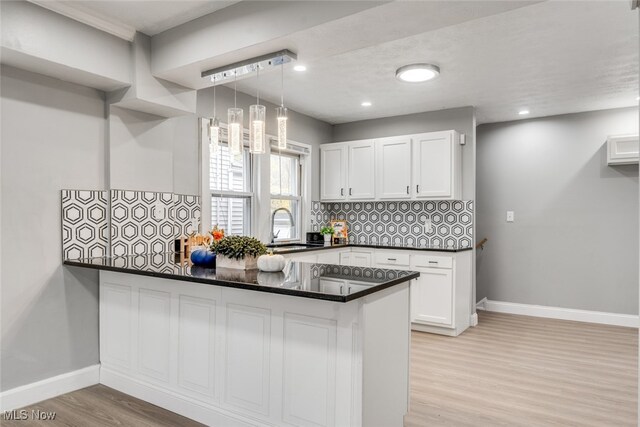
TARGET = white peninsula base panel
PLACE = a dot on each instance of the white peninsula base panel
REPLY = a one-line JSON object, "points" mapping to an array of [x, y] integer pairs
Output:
{"points": [[233, 357]]}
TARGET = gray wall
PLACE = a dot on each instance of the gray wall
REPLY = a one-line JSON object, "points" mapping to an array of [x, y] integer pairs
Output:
{"points": [[301, 128], [574, 242], [153, 153], [460, 119], [53, 136]]}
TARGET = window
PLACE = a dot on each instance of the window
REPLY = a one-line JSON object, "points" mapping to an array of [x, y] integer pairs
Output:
{"points": [[285, 197], [230, 186]]}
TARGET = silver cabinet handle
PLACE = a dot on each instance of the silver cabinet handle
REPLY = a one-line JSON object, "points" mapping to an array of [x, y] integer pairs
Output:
{"points": [[433, 262], [407, 189], [391, 259], [341, 286], [349, 191], [349, 291], [417, 188], [342, 191]]}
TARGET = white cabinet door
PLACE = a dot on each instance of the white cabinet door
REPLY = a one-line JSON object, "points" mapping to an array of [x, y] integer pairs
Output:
{"points": [[333, 172], [436, 165], [352, 288], [332, 286], [361, 170], [356, 259], [393, 168], [329, 257], [432, 297]]}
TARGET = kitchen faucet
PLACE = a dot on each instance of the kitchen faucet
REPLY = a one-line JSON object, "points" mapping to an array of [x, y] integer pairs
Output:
{"points": [[273, 222]]}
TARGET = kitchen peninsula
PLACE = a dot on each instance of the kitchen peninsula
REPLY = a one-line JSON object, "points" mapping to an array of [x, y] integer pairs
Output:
{"points": [[232, 347]]}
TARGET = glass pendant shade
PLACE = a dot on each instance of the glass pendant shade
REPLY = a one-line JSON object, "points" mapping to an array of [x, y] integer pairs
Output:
{"points": [[234, 129], [214, 135], [257, 137], [282, 127]]}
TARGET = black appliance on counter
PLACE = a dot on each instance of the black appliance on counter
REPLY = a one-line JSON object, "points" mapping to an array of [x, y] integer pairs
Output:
{"points": [[315, 239]]}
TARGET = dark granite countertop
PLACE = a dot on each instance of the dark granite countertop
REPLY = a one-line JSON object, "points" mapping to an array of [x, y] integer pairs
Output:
{"points": [[317, 281], [294, 248]]}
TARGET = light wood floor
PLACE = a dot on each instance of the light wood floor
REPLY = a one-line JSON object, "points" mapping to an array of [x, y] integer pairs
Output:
{"points": [[525, 371], [507, 371]]}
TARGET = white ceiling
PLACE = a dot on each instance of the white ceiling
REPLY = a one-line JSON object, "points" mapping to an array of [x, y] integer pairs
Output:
{"points": [[551, 58], [149, 16]]}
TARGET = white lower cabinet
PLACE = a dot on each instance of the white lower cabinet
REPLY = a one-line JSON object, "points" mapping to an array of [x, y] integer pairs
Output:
{"points": [[432, 296], [440, 297], [356, 258]]}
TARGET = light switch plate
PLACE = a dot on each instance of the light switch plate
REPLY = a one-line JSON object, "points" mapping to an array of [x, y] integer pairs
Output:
{"points": [[510, 216]]}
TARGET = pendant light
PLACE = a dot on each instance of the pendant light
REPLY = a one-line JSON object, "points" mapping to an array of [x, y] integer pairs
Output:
{"points": [[214, 127], [235, 124], [281, 113], [257, 115]]}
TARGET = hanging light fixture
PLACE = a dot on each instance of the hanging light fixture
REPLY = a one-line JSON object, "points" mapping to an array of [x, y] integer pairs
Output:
{"points": [[235, 121], [281, 113], [214, 127], [257, 115]]}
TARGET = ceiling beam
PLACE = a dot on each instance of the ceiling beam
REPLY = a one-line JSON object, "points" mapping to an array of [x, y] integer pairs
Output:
{"points": [[80, 14]]}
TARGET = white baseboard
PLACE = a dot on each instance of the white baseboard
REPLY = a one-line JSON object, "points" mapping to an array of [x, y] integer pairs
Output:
{"points": [[600, 317], [186, 406], [29, 394]]}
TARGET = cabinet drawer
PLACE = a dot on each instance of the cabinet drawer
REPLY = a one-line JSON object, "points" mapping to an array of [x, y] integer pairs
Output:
{"points": [[388, 258], [432, 261]]}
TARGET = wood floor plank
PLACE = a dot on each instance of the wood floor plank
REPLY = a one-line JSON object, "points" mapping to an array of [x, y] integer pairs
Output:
{"points": [[508, 371], [519, 370]]}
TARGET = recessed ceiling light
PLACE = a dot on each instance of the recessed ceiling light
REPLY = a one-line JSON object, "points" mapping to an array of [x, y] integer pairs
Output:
{"points": [[416, 73], [300, 68], [366, 104], [523, 112], [637, 98]]}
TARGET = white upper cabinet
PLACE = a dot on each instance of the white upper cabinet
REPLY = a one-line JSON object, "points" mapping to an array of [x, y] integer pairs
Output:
{"points": [[361, 170], [437, 165], [393, 168], [422, 166], [333, 171], [347, 171]]}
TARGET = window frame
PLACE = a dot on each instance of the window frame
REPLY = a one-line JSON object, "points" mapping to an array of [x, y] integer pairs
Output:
{"points": [[299, 218], [210, 193], [261, 202]]}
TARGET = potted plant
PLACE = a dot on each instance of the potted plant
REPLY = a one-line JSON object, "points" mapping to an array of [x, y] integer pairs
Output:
{"points": [[327, 232], [239, 252]]}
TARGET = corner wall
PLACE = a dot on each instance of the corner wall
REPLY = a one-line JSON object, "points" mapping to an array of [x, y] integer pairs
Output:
{"points": [[574, 240], [53, 137]]}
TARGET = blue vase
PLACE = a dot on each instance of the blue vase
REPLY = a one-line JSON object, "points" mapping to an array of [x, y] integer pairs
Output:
{"points": [[203, 257]]}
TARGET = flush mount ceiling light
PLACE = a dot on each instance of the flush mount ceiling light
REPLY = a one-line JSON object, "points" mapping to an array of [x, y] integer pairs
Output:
{"points": [[416, 73], [366, 104], [300, 68], [523, 112]]}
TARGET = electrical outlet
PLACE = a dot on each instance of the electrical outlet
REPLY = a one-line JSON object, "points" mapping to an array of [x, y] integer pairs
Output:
{"points": [[510, 216]]}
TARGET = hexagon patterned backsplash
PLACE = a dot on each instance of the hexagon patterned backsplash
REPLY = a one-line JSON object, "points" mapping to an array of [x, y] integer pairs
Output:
{"points": [[142, 222], [85, 225], [401, 223]]}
